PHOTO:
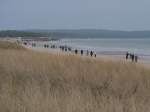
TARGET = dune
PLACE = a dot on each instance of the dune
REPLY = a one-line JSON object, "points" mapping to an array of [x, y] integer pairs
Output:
{"points": [[32, 81]]}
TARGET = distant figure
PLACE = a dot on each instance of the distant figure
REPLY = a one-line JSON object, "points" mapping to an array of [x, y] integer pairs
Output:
{"points": [[81, 52], [66, 49], [46, 46], [25, 43], [53, 46], [87, 53], [69, 49], [95, 55], [136, 59], [63, 48], [127, 55], [76, 51], [33, 44], [132, 57], [91, 53]]}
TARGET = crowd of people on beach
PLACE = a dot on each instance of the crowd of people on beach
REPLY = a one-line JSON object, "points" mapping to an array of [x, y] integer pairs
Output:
{"points": [[64, 48], [133, 57], [78, 51]]}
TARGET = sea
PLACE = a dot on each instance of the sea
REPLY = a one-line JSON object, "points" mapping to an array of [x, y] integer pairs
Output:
{"points": [[110, 46]]}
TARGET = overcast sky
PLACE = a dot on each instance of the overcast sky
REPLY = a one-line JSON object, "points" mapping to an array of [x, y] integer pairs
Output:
{"points": [[75, 14]]}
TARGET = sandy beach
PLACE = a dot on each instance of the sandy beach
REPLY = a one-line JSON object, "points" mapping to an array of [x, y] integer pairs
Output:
{"points": [[104, 57]]}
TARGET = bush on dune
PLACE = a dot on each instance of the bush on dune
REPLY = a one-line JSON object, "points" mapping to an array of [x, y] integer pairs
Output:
{"points": [[42, 82]]}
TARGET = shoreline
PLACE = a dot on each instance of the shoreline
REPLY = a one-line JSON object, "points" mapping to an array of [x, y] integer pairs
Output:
{"points": [[104, 57]]}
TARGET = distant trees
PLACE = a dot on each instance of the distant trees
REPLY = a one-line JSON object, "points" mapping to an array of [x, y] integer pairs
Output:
{"points": [[75, 33], [14, 33]]}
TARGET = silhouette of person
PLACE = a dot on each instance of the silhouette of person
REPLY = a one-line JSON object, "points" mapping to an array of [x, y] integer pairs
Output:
{"points": [[132, 57], [127, 55], [63, 48], [76, 51], [91, 53], [95, 55], [81, 52], [69, 48], [25, 43], [66, 49]]}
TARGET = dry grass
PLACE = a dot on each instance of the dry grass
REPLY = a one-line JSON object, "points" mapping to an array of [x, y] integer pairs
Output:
{"points": [[10, 45], [40, 82]]}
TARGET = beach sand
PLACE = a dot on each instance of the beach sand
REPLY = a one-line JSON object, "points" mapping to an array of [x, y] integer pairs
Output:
{"points": [[103, 57]]}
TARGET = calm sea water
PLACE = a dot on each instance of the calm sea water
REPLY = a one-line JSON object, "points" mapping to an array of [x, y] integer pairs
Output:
{"points": [[139, 46]]}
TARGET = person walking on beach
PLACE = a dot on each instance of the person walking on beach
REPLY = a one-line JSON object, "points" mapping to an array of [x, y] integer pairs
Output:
{"points": [[69, 48], [91, 53], [95, 54], [76, 51], [62, 48], [46, 46], [132, 57], [25, 43], [81, 52], [127, 55], [66, 49]]}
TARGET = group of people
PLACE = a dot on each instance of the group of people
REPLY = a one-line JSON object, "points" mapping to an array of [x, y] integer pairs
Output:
{"points": [[133, 57], [65, 48], [47, 46], [91, 53], [76, 51]]}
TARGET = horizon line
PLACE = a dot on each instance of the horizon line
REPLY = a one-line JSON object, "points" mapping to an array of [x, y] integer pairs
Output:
{"points": [[30, 29]]}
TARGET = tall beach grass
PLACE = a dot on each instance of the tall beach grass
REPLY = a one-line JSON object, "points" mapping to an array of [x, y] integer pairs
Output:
{"points": [[41, 82]]}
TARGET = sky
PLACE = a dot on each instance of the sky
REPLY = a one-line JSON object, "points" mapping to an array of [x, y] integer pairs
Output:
{"points": [[75, 14]]}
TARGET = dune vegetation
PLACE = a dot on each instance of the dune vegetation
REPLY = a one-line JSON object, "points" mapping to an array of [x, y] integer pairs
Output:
{"points": [[10, 45], [41, 82]]}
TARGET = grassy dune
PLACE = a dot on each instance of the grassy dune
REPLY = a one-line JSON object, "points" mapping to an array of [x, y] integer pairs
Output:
{"points": [[8, 45], [41, 82]]}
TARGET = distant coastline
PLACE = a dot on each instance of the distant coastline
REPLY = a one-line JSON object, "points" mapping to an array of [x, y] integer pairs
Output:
{"points": [[81, 33]]}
